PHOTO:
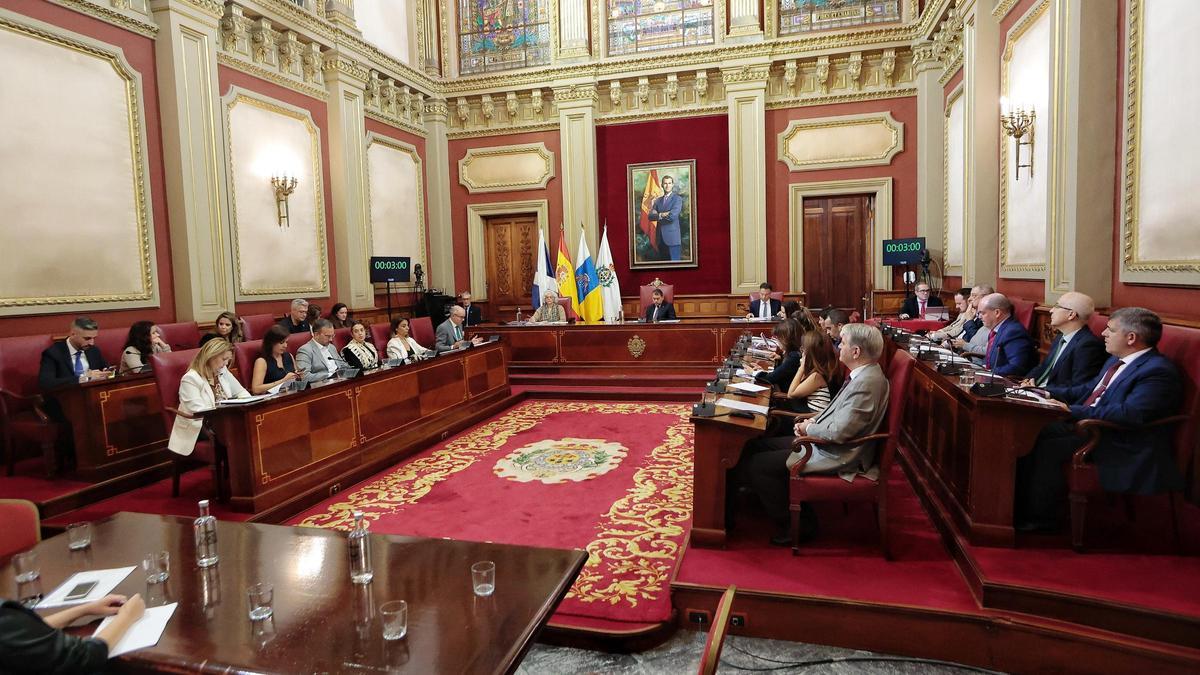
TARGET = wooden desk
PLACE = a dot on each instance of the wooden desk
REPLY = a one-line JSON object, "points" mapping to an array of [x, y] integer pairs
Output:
{"points": [[289, 450], [322, 622]]}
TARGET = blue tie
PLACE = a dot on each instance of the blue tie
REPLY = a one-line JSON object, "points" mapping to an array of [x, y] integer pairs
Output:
{"points": [[79, 363]]}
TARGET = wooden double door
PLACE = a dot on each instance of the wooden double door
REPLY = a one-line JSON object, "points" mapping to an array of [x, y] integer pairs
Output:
{"points": [[511, 262], [836, 249]]}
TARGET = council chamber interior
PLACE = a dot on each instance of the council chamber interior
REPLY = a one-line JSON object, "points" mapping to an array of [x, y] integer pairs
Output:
{"points": [[608, 336]]}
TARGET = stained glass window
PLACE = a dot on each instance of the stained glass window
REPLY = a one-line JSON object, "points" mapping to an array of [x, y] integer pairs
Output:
{"points": [[646, 25], [503, 34], [805, 16]]}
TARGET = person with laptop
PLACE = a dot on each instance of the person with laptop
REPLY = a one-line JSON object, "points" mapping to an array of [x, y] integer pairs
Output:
{"points": [[318, 358], [921, 304]]}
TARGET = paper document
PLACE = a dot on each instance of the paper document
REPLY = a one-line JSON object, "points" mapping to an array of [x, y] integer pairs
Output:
{"points": [[749, 387], [106, 580], [275, 390], [740, 405], [741, 372], [240, 401], [668, 321], [145, 632]]}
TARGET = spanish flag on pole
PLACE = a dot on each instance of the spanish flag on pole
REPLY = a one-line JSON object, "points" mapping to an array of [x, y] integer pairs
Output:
{"points": [[653, 191], [564, 272]]}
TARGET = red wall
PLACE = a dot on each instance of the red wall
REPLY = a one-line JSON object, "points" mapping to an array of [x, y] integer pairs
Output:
{"points": [[704, 139], [139, 51], [460, 198], [902, 170], [404, 299]]}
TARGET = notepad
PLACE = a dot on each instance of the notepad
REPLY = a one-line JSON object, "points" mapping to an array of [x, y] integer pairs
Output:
{"points": [[741, 405], [145, 632], [749, 387], [241, 401], [106, 580]]}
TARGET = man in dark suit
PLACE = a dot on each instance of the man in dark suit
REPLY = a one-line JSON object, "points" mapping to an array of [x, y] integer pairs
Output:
{"points": [[1076, 354], [1138, 385], [916, 306], [832, 323], [72, 361], [660, 309], [666, 211], [474, 315], [764, 307], [297, 319], [972, 325], [1010, 350]]}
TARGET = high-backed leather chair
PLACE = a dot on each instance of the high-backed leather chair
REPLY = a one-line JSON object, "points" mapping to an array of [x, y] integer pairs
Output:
{"points": [[297, 340], [341, 337], [775, 295], [380, 333], [1023, 311], [184, 335], [646, 292], [21, 415], [1098, 322], [22, 529], [169, 368], [422, 331], [244, 354], [111, 342], [256, 325], [565, 303], [807, 488]]}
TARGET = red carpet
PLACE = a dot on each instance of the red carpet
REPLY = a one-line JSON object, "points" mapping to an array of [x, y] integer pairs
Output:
{"points": [[631, 517], [156, 498], [29, 482], [844, 561]]}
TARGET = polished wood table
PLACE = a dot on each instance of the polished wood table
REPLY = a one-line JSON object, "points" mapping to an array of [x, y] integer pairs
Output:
{"points": [[322, 622], [290, 450]]}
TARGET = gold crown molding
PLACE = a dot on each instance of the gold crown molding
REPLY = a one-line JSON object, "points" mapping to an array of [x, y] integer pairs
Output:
{"points": [[746, 74], [396, 122], [950, 101], [796, 127], [410, 150], [238, 96], [387, 64], [125, 19], [339, 63], [212, 8], [951, 70], [54, 35], [241, 65], [533, 183], [1002, 8], [700, 111], [295, 15], [576, 92], [801, 102], [507, 131]]}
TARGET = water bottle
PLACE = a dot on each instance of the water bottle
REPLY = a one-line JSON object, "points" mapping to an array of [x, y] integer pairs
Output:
{"points": [[205, 529], [360, 551], [518, 315]]}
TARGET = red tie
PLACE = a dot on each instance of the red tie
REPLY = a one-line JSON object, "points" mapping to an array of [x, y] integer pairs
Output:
{"points": [[921, 313], [991, 341], [1108, 376]]}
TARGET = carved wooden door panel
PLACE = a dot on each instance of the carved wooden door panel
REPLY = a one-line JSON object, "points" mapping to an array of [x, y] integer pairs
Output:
{"points": [[836, 236], [511, 262]]}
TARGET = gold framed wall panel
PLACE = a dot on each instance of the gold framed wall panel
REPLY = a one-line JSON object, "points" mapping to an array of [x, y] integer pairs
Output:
{"points": [[477, 235], [948, 267], [881, 226], [506, 168], [392, 144], [842, 132]]}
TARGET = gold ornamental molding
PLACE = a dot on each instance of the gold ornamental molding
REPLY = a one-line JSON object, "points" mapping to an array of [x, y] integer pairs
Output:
{"points": [[950, 101], [1002, 8], [871, 139], [506, 168], [410, 150], [636, 346], [125, 18], [261, 73]]}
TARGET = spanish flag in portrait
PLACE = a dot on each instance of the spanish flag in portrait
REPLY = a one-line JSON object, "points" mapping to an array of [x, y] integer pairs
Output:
{"points": [[564, 272], [653, 191]]}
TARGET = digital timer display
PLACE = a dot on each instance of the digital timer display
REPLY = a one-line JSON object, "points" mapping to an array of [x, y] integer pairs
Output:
{"points": [[903, 251], [389, 268]]}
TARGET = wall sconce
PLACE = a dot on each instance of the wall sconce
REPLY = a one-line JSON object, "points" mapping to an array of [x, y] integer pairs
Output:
{"points": [[284, 186], [1018, 123]]}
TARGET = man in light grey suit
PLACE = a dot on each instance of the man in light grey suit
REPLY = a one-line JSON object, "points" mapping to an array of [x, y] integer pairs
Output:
{"points": [[450, 332], [317, 358], [857, 410]]}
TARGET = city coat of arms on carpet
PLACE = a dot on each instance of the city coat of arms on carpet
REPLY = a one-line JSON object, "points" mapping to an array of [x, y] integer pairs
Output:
{"points": [[559, 461]]}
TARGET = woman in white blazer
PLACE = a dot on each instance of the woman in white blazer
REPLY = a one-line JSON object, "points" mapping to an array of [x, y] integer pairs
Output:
{"points": [[401, 346], [206, 382]]}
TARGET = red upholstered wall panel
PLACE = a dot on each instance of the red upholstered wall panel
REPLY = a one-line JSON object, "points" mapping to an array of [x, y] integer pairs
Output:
{"points": [[404, 299], [704, 139], [139, 51]]}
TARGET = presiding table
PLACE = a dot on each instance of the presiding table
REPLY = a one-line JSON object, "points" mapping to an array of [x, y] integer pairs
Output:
{"points": [[322, 622]]}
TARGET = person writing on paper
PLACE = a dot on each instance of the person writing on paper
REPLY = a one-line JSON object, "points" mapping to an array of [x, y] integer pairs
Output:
{"points": [[144, 339], [659, 309], [550, 311], [359, 353], [450, 332], [318, 358], [402, 345], [274, 364], [765, 307], [30, 643], [206, 383]]}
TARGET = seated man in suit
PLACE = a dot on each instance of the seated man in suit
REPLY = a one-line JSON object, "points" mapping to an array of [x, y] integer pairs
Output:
{"points": [[450, 332], [318, 359], [917, 306], [966, 312], [765, 307], [1076, 355], [474, 316], [971, 326], [297, 319], [1138, 385], [1010, 350], [856, 410], [832, 323], [72, 361], [660, 309]]}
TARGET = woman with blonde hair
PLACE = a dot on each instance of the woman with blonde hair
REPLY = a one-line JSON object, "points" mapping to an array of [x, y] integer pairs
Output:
{"points": [[206, 383], [550, 311]]}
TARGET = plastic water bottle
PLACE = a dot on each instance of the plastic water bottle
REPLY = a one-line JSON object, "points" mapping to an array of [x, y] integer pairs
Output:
{"points": [[518, 315], [205, 529], [360, 551]]}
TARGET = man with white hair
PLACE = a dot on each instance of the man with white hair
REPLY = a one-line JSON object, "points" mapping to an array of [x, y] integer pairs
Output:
{"points": [[450, 332], [1010, 351], [1076, 355], [296, 320]]}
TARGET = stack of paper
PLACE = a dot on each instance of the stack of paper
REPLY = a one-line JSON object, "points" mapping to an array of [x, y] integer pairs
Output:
{"points": [[145, 632], [748, 387], [741, 405]]}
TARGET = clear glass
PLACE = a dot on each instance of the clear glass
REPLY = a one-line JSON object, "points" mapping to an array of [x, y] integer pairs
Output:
{"points": [[79, 536], [26, 566], [157, 566], [204, 529], [483, 578], [966, 378], [260, 597], [394, 616]]}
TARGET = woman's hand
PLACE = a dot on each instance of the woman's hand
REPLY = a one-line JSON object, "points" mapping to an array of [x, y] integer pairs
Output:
{"points": [[132, 609], [107, 606], [290, 376]]}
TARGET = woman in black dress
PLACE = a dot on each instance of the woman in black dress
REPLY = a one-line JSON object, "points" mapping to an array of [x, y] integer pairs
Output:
{"points": [[274, 364]]}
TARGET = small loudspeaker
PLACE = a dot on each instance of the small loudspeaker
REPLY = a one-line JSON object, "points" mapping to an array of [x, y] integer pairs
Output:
{"points": [[715, 387], [989, 389], [704, 409], [951, 368]]}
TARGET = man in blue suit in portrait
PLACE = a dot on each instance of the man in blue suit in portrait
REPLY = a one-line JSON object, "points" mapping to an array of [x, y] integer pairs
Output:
{"points": [[665, 211], [1137, 385], [1010, 350]]}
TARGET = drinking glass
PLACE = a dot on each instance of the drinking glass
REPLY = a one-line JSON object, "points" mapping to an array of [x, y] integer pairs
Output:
{"points": [[157, 566], [966, 378], [261, 596], [483, 577], [79, 536], [395, 619], [26, 566]]}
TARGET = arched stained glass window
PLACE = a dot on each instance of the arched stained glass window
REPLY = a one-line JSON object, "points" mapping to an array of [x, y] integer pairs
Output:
{"points": [[806, 16], [647, 25], [502, 34]]}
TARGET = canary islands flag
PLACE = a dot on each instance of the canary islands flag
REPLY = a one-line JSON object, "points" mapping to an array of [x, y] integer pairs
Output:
{"points": [[564, 273], [591, 302]]}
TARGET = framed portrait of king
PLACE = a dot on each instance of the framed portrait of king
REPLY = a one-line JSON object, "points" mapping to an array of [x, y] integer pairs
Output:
{"points": [[662, 208]]}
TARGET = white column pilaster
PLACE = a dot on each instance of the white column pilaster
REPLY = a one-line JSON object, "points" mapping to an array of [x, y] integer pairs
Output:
{"points": [[437, 186], [573, 30], [746, 96], [981, 82], [745, 21], [931, 120], [576, 105], [345, 81], [193, 138]]}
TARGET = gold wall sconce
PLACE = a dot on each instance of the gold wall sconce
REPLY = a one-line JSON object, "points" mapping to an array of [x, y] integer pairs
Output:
{"points": [[1017, 122], [284, 186]]}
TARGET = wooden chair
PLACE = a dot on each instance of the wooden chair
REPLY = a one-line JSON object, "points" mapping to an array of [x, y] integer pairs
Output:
{"points": [[1182, 346], [169, 368], [716, 633], [21, 415], [21, 530], [1023, 311], [646, 294], [184, 335], [807, 488], [256, 326]]}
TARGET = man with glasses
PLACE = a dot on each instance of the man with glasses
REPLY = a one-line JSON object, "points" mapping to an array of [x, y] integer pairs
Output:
{"points": [[1010, 351], [973, 340], [966, 313], [1076, 355], [917, 306]]}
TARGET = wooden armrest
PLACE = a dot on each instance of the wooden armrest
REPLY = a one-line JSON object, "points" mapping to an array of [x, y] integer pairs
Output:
{"points": [[33, 401], [1091, 430], [806, 451], [792, 415]]}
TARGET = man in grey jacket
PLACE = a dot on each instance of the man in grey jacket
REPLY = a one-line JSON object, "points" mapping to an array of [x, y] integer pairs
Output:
{"points": [[449, 333], [857, 410], [317, 358]]}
